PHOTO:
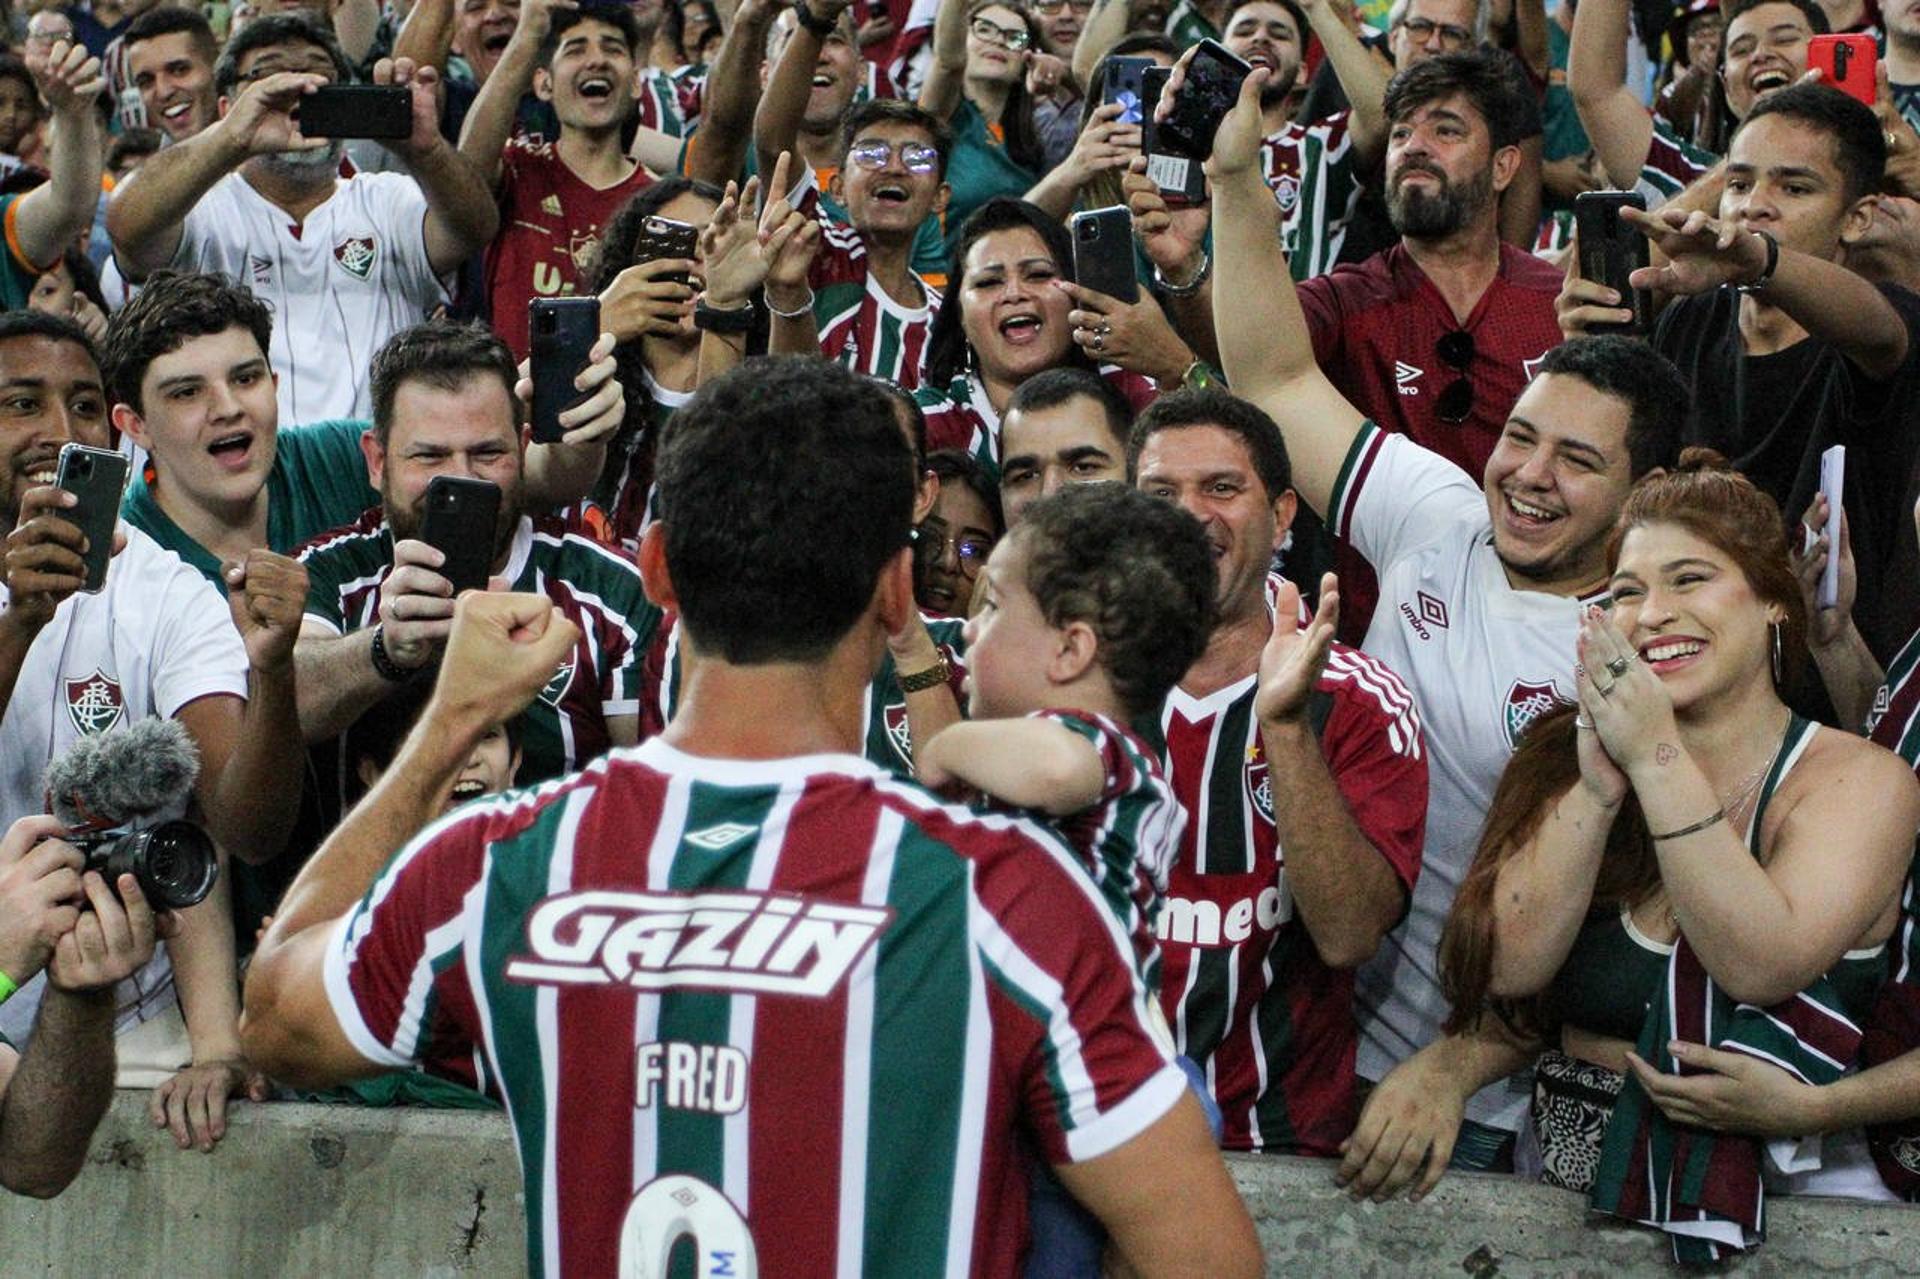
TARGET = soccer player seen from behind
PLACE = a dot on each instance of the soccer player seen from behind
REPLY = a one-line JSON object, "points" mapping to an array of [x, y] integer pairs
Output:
{"points": [[843, 997]]}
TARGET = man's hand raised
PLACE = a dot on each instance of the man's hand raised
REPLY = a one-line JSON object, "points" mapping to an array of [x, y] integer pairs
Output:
{"points": [[423, 83], [260, 121], [503, 648], [68, 77], [43, 557], [1236, 146], [267, 594]]}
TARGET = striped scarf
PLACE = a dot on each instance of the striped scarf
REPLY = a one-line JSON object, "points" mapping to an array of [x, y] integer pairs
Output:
{"points": [[1893, 1029], [1704, 1188]]}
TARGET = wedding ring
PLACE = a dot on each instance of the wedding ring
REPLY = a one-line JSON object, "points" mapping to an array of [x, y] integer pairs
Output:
{"points": [[1618, 666]]}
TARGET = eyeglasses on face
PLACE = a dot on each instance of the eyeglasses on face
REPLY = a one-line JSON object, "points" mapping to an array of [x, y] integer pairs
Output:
{"points": [[1422, 29], [873, 153], [933, 538], [1014, 38], [1051, 7]]}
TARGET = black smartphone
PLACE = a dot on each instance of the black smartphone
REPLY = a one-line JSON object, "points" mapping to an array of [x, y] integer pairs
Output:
{"points": [[563, 333], [98, 477], [460, 520], [1211, 88], [665, 238], [1103, 252], [1611, 249], [356, 111], [1123, 85], [1181, 181]]}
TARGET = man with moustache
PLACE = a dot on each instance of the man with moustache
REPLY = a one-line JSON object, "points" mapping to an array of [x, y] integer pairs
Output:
{"points": [[344, 262]]}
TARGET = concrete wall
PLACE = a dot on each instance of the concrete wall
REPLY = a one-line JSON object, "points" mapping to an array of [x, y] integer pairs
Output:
{"points": [[321, 1191]]}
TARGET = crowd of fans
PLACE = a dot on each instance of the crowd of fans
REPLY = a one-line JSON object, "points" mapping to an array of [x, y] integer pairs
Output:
{"points": [[1392, 673]]}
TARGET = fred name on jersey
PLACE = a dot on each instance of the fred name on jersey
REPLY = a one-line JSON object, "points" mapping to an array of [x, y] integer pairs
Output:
{"points": [[754, 943]]}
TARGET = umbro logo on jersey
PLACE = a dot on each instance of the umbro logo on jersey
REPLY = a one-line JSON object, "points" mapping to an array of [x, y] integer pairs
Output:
{"points": [[551, 205], [1404, 375], [355, 255], [750, 942], [262, 268], [1428, 617], [715, 838]]}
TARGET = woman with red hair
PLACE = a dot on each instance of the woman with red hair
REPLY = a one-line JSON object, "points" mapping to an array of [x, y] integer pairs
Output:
{"points": [[1682, 858]]}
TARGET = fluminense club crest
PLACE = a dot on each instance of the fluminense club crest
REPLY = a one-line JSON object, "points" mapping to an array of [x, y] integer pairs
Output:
{"points": [[556, 687], [95, 703], [1527, 702], [355, 254], [1259, 783], [894, 714]]}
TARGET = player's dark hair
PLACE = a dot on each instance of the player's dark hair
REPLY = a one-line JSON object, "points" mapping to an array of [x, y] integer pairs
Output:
{"points": [[1809, 9], [166, 20], [1859, 144], [442, 354], [1135, 569], [170, 310], [1658, 399], [294, 27], [1210, 406], [1487, 78], [775, 552], [617, 16], [897, 111], [947, 350], [1051, 388], [28, 323]]}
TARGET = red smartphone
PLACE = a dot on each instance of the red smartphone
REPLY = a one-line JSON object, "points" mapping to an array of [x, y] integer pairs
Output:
{"points": [[1845, 62]]}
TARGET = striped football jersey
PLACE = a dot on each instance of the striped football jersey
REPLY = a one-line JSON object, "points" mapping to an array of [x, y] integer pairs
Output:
{"points": [[1310, 169], [960, 416], [859, 325], [555, 555], [792, 1011], [1244, 991]]}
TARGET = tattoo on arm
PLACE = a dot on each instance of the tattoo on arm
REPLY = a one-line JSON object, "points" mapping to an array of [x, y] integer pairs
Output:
{"points": [[1665, 753]]}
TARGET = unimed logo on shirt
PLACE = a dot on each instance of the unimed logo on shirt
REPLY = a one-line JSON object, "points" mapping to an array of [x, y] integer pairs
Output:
{"points": [[757, 943]]}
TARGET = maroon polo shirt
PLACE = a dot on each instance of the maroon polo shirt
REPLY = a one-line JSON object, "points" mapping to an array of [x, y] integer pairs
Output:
{"points": [[1377, 328]]}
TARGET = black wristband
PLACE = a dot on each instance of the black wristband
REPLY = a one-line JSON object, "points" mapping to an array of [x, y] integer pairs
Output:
{"points": [[383, 664], [715, 320], [1766, 272], [822, 27]]}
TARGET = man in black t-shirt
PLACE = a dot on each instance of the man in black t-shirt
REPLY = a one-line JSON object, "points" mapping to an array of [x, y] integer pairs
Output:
{"points": [[1787, 350]]}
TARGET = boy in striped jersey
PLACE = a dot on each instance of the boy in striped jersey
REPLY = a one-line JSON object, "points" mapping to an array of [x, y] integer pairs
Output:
{"points": [[859, 301], [1302, 768], [881, 989]]}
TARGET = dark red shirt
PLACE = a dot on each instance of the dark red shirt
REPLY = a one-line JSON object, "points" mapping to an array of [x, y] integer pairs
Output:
{"points": [[1376, 329]]}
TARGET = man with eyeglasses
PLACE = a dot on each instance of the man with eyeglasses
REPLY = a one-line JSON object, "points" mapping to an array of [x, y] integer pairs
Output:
{"points": [[860, 301], [1301, 766], [1057, 102], [344, 262], [1422, 29]]}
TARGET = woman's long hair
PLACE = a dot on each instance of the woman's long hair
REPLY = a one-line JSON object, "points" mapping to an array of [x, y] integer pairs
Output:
{"points": [[947, 349], [1719, 506]]}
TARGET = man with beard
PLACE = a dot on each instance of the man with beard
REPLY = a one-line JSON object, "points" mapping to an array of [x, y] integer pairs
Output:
{"points": [[345, 262], [378, 609]]}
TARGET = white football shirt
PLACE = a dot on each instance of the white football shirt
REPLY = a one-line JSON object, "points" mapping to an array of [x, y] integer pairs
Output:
{"points": [[157, 637], [1482, 659], [340, 284]]}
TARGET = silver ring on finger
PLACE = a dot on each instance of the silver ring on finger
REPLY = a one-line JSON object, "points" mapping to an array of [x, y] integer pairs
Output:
{"points": [[1617, 667], [1579, 722], [1103, 328], [1099, 342], [1604, 692]]}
